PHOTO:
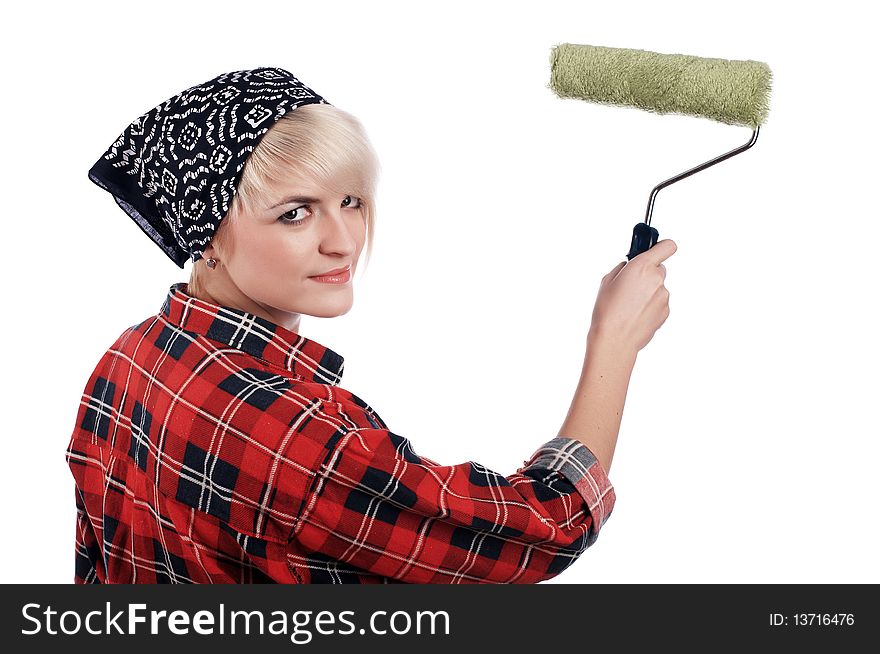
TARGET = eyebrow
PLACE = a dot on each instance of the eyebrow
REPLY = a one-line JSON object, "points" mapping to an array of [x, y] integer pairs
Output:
{"points": [[297, 198]]}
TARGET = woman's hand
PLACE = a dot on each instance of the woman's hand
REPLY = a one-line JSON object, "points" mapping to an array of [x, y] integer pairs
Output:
{"points": [[633, 302]]}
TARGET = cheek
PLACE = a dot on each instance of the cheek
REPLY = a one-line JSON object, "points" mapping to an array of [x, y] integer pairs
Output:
{"points": [[270, 253]]}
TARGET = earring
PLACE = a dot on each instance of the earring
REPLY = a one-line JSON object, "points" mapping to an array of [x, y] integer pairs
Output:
{"points": [[211, 263]]}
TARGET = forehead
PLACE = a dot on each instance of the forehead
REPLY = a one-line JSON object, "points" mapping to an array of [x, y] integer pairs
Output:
{"points": [[292, 180]]}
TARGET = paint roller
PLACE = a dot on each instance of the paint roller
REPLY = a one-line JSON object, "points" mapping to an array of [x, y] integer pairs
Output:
{"points": [[733, 92]]}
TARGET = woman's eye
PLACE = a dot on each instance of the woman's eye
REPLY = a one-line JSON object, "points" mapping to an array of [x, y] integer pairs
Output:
{"points": [[348, 197], [291, 217]]}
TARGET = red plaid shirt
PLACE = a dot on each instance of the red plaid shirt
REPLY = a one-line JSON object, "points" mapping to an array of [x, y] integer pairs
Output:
{"points": [[214, 446]]}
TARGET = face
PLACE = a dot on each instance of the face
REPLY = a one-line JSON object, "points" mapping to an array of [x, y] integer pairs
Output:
{"points": [[269, 257]]}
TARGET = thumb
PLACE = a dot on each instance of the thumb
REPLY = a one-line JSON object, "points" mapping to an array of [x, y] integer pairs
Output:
{"points": [[662, 250]]}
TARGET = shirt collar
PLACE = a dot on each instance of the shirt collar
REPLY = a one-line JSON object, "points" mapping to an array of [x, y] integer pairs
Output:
{"points": [[252, 334]]}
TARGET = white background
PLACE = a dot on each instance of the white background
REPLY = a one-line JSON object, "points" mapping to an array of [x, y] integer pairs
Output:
{"points": [[748, 449]]}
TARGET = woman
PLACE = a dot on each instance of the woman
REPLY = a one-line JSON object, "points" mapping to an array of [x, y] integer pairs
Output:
{"points": [[213, 442]]}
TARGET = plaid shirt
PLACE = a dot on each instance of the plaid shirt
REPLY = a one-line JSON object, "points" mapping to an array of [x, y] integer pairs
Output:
{"points": [[214, 446]]}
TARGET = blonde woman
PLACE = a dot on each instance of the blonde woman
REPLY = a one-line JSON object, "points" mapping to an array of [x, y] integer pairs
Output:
{"points": [[214, 443]]}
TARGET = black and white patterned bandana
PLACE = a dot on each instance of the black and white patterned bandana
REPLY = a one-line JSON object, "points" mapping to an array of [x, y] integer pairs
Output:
{"points": [[175, 169]]}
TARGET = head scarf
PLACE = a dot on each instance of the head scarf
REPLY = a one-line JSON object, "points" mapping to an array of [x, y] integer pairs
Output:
{"points": [[175, 169]]}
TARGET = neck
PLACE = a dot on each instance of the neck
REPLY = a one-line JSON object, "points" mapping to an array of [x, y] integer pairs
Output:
{"points": [[229, 295]]}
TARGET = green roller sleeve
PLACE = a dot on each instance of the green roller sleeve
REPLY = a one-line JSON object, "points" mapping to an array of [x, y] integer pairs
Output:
{"points": [[728, 91]]}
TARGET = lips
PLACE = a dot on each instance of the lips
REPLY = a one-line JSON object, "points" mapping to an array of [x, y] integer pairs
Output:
{"points": [[335, 271]]}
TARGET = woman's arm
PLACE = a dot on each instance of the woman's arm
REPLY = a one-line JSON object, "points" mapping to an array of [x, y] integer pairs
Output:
{"points": [[597, 407], [631, 305], [377, 505]]}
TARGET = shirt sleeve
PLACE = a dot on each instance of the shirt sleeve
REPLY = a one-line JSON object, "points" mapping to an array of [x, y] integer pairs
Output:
{"points": [[382, 508]]}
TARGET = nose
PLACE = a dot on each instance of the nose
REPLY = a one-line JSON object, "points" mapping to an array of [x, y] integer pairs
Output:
{"points": [[338, 231]]}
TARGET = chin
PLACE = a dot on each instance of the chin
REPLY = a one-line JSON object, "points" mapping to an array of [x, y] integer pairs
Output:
{"points": [[329, 310]]}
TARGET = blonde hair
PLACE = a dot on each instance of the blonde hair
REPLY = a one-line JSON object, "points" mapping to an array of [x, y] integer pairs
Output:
{"points": [[319, 142]]}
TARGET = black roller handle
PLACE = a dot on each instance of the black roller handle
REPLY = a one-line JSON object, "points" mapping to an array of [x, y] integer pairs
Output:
{"points": [[644, 238]]}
